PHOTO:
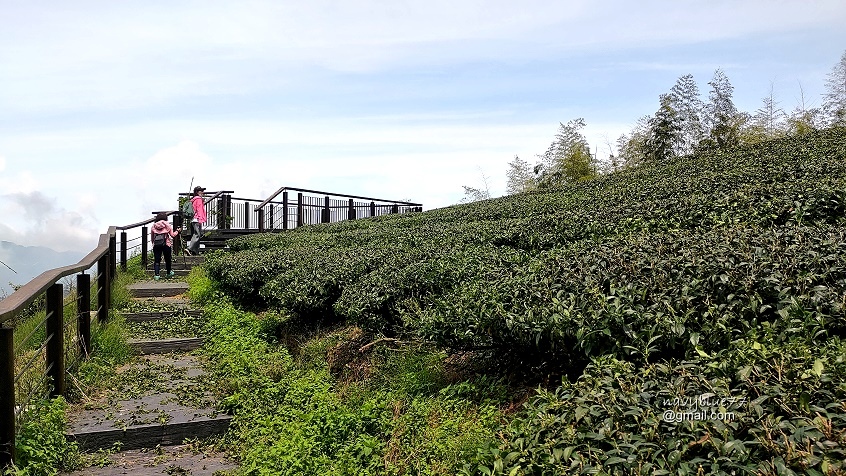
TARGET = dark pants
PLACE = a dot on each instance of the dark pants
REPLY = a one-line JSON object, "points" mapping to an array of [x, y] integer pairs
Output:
{"points": [[158, 251], [194, 243]]}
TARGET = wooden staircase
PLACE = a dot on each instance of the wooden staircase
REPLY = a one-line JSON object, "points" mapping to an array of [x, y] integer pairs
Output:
{"points": [[162, 397]]}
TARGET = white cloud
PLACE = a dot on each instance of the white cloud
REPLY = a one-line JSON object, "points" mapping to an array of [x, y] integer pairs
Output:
{"points": [[76, 56], [167, 173], [2, 163], [21, 182], [40, 220]]}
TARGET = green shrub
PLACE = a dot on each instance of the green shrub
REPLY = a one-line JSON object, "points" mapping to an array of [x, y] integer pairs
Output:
{"points": [[377, 272], [780, 415], [291, 418], [42, 448]]}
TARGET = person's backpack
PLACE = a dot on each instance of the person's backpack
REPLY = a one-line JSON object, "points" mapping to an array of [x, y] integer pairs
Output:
{"points": [[160, 238], [188, 210]]}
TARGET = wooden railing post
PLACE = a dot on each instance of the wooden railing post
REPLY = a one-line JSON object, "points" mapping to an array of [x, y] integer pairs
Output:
{"points": [[229, 217], [55, 340], [271, 221], [123, 250], [144, 260], [261, 219], [224, 207], [395, 208], [372, 209], [83, 313], [299, 209], [103, 285], [351, 212], [246, 215], [285, 210], [112, 259], [325, 215], [7, 397]]}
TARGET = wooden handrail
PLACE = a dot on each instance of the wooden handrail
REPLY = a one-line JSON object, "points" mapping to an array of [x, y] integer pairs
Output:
{"points": [[145, 222], [27, 293], [212, 197]]}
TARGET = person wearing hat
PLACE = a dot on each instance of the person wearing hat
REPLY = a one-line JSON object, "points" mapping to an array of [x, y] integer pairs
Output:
{"points": [[161, 236], [198, 221]]}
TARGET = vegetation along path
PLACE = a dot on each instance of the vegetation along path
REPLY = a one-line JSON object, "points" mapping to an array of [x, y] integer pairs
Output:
{"points": [[139, 425]]}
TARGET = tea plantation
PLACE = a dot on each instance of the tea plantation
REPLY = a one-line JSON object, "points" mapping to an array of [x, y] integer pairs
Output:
{"points": [[710, 288]]}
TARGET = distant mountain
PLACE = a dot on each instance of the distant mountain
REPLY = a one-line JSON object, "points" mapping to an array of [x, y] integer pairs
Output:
{"points": [[29, 262]]}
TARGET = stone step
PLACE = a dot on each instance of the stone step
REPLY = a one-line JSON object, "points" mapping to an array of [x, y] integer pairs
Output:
{"points": [[161, 288], [187, 260], [166, 346]]}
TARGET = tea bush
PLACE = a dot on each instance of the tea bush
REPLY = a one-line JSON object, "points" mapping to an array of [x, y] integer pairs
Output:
{"points": [[669, 243], [291, 417], [719, 275], [767, 412]]}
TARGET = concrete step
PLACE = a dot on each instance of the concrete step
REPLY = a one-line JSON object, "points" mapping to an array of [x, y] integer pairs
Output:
{"points": [[158, 400], [156, 315], [162, 288], [180, 459], [151, 435], [165, 346], [177, 271]]}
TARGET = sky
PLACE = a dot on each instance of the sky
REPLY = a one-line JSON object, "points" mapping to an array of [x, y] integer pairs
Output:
{"points": [[109, 109]]}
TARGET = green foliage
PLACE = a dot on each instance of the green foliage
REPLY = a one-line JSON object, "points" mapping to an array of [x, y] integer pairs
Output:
{"points": [[716, 273], [665, 131], [40, 443], [291, 419], [764, 411], [550, 245]]}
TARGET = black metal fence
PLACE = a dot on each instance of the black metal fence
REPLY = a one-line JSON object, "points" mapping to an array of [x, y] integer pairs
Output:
{"points": [[284, 210]]}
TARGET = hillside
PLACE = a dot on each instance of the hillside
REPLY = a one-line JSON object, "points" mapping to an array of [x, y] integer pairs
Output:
{"points": [[28, 262], [712, 276]]}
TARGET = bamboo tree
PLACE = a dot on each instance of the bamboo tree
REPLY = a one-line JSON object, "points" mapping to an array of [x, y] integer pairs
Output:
{"points": [[834, 102]]}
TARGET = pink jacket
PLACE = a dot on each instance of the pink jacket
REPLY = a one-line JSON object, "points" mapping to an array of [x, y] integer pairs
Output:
{"points": [[199, 209], [161, 227]]}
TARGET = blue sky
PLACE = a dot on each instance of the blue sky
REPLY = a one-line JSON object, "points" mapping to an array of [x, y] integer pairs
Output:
{"points": [[108, 109]]}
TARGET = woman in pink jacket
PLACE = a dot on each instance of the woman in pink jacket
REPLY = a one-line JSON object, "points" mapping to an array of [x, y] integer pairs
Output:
{"points": [[161, 235], [198, 221]]}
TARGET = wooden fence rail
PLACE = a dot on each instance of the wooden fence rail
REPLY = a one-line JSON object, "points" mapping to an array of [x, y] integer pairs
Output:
{"points": [[47, 284]]}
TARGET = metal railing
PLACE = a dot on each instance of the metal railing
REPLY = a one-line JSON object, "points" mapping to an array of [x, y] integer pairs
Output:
{"points": [[313, 207]]}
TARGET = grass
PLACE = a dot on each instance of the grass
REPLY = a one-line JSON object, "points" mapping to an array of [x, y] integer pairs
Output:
{"points": [[304, 415]]}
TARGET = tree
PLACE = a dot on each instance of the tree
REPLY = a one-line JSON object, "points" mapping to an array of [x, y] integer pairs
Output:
{"points": [[520, 177], [722, 118], [803, 118], [568, 158], [473, 194], [632, 148], [689, 107], [665, 131], [834, 102], [613, 163], [768, 122]]}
